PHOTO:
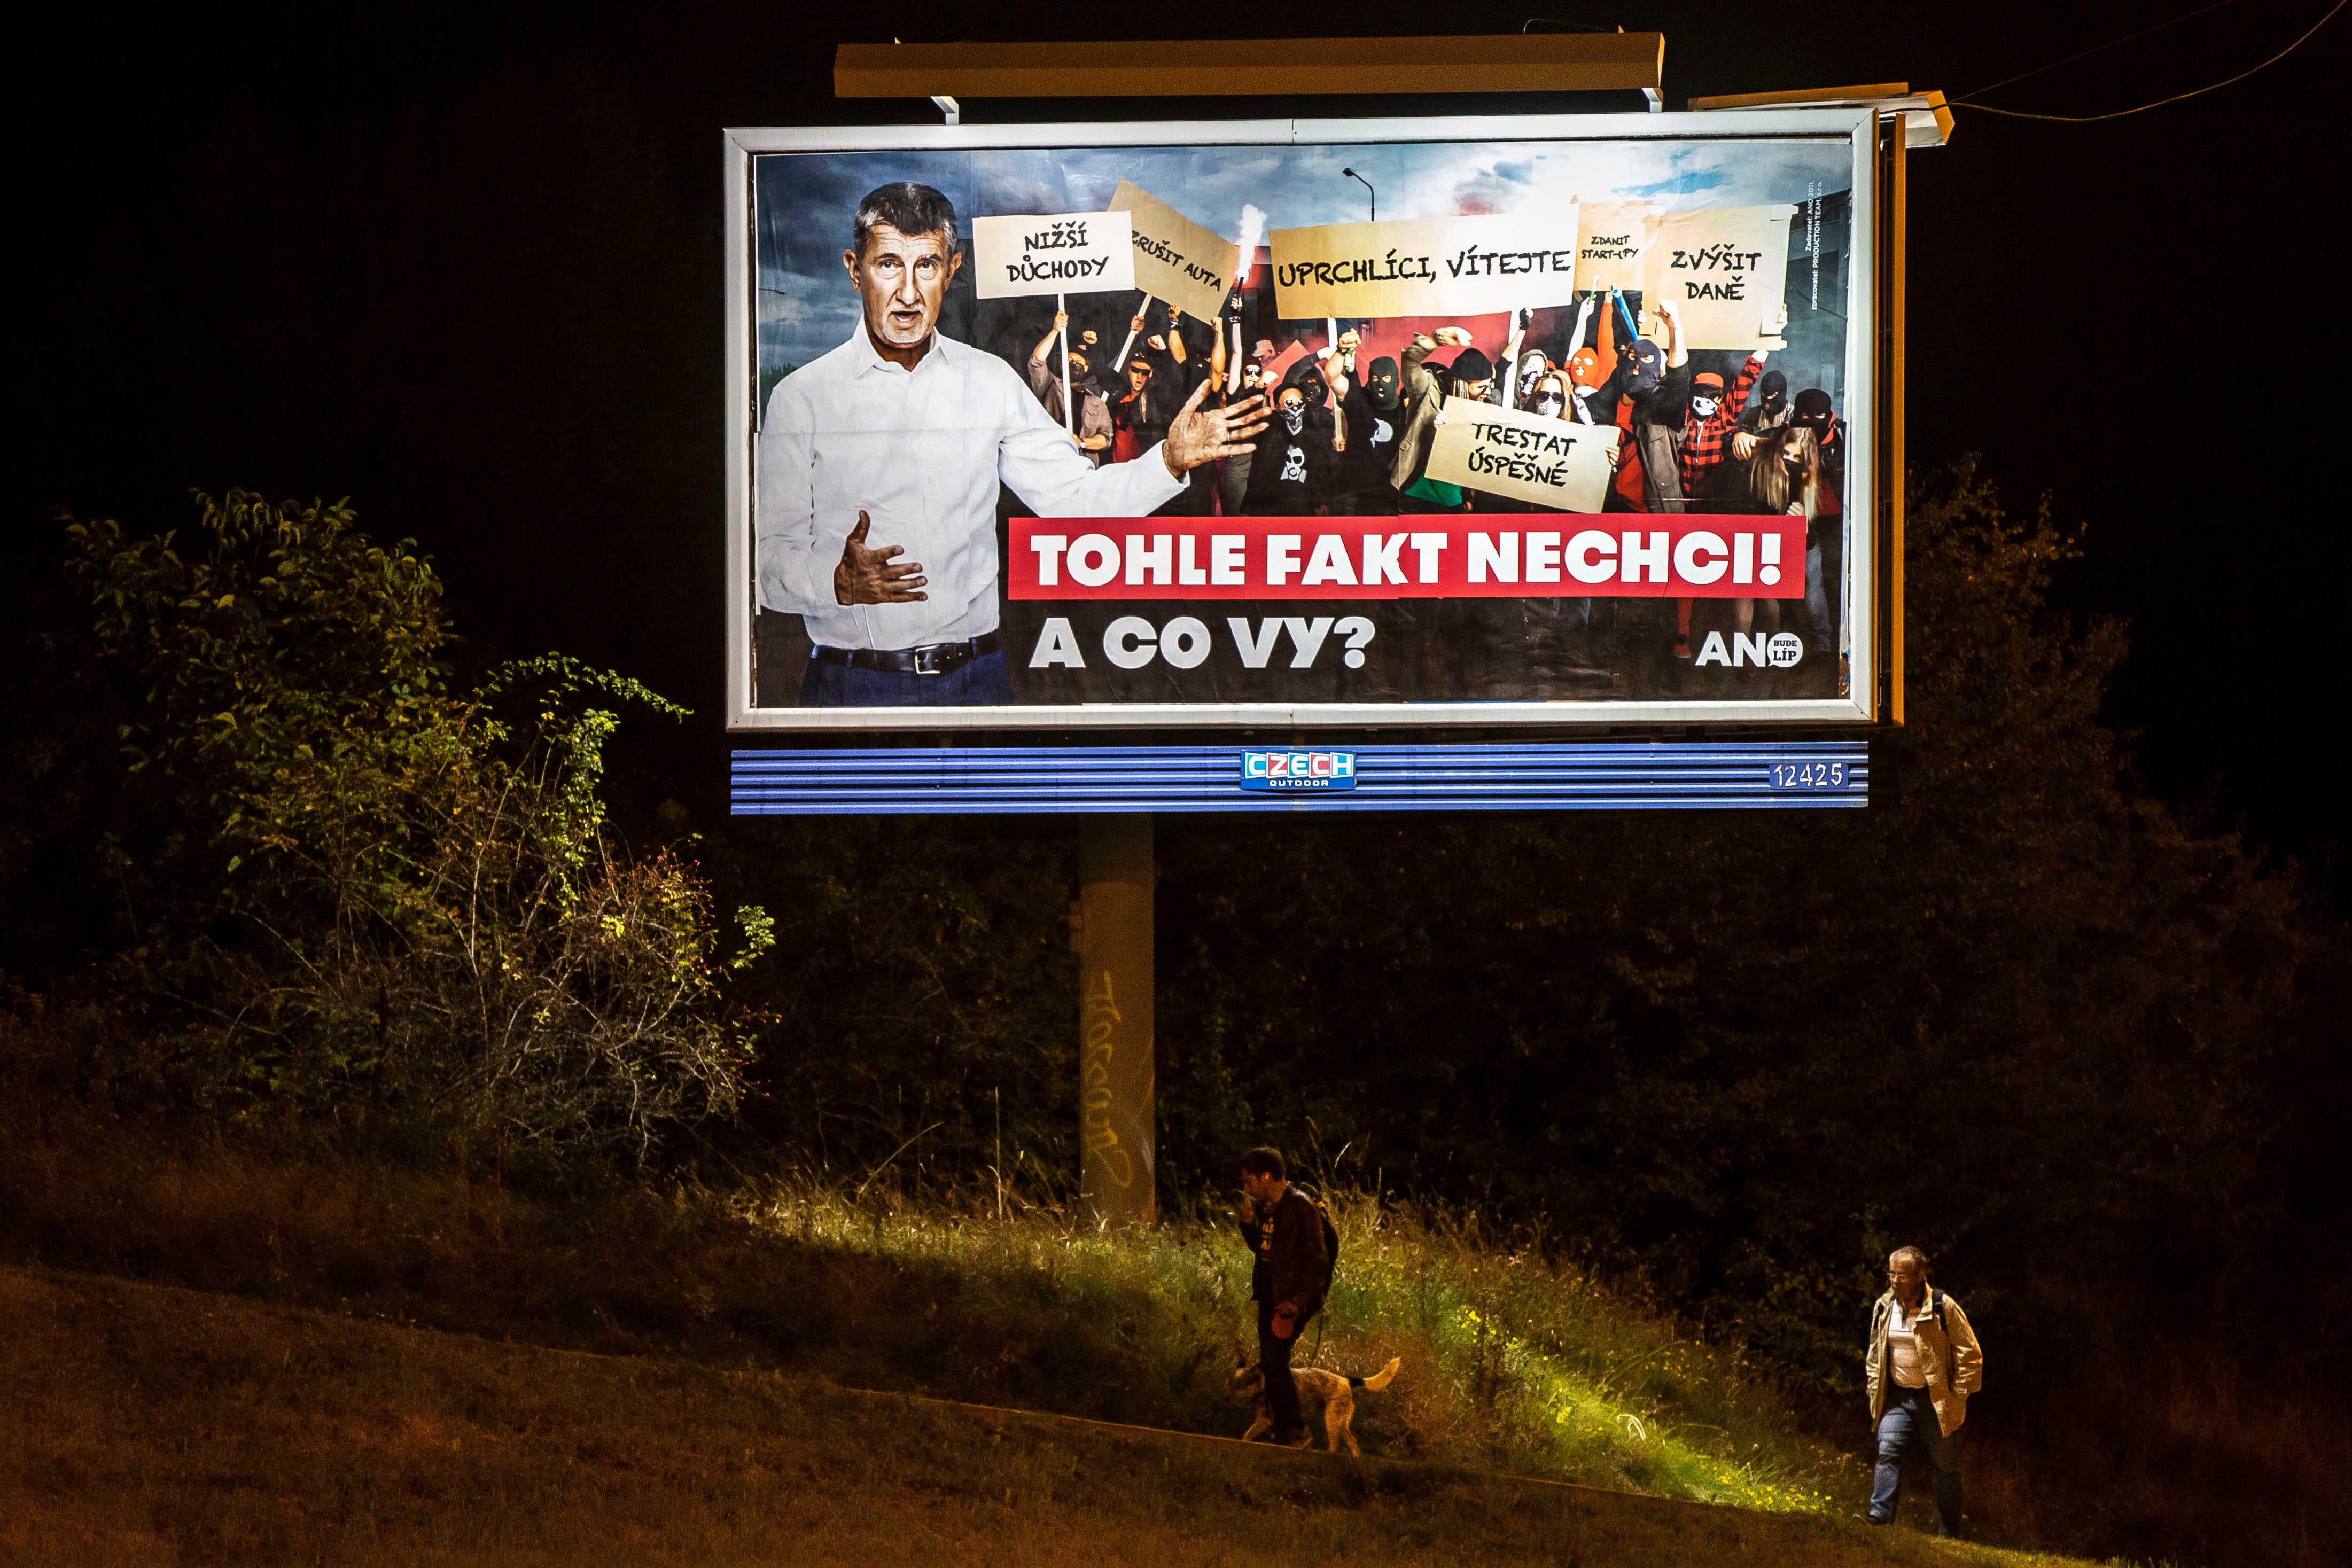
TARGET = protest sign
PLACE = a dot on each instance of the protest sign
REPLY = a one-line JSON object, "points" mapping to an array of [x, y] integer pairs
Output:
{"points": [[1725, 269], [1068, 253], [1427, 267], [1526, 456], [1176, 259], [1612, 240]]}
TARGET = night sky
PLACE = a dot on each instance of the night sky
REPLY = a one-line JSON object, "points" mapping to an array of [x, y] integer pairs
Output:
{"points": [[463, 265]]}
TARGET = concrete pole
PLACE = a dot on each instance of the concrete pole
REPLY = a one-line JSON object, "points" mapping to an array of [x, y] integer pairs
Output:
{"points": [[1119, 1134]]}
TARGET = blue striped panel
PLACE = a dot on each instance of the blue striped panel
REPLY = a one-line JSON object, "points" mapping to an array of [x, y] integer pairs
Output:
{"points": [[1500, 777]]}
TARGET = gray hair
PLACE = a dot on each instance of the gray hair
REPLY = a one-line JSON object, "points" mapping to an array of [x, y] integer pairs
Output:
{"points": [[909, 208], [1913, 1253]]}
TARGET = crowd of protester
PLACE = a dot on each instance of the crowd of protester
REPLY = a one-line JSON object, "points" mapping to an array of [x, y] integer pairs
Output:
{"points": [[1351, 437]]}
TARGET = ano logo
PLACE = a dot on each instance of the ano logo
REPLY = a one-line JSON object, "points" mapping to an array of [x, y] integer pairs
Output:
{"points": [[1299, 770]]}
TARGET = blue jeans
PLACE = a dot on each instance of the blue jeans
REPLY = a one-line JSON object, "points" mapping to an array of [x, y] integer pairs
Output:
{"points": [[983, 680], [1908, 1420]]}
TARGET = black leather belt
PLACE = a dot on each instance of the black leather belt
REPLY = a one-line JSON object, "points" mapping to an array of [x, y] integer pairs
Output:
{"points": [[931, 659]]}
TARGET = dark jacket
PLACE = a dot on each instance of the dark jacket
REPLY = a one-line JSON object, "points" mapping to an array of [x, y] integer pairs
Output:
{"points": [[1653, 482], [1292, 476], [1292, 1263], [1254, 1234], [1832, 492], [1730, 488], [1372, 442]]}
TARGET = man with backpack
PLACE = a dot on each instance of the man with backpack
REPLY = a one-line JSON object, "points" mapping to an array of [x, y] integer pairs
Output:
{"points": [[1294, 1245], [1923, 1364]]}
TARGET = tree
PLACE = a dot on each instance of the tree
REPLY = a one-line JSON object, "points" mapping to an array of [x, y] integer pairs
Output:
{"points": [[342, 885]]}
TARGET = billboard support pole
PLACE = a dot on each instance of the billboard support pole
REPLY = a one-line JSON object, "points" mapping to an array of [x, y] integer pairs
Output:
{"points": [[1117, 1125]]}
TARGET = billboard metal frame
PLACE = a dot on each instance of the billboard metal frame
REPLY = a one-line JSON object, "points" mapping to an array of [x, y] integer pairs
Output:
{"points": [[1461, 776], [1867, 510]]}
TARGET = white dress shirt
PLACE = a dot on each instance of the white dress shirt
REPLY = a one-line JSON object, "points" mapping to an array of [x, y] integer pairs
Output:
{"points": [[919, 453]]}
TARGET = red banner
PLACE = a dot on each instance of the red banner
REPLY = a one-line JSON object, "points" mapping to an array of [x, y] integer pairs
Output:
{"points": [[1546, 555]]}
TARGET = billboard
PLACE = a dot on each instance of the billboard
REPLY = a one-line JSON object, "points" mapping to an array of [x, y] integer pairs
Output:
{"points": [[1542, 419]]}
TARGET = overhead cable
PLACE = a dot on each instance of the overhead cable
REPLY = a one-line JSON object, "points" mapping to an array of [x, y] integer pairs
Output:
{"points": [[2094, 49], [2159, 103]]}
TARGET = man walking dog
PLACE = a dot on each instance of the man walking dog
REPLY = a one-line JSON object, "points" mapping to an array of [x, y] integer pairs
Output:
{"points": [[1284, 1232], [1923, 1364]]}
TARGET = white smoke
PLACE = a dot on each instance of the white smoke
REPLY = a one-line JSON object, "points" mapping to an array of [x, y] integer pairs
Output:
{"points": [[1245, 253], [1253, 231]]}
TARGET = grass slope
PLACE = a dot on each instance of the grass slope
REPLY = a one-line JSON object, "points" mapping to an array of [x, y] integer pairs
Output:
{"points": [[158, 1425], [1511, 1363]]}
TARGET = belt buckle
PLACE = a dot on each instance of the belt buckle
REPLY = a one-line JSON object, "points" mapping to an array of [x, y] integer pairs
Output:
{"points": [[927, 659]]}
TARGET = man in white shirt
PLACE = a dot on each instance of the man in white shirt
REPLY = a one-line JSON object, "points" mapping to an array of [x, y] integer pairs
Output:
{"points": [[878, 465], [1923, 1364]]}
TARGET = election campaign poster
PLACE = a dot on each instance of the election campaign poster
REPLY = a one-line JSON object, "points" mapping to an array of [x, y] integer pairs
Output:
{"points": [[1175, 430]]}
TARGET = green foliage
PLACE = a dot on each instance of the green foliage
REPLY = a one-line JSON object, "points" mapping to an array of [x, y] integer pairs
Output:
{"points": [[921, 993], [346, 886]]}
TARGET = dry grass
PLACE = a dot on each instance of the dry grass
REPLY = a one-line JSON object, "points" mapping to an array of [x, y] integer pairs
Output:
{"points": [[153, 1426]]}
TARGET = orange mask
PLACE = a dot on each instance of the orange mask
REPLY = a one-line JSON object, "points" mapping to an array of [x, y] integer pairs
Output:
{"points": [[1584, 368]]}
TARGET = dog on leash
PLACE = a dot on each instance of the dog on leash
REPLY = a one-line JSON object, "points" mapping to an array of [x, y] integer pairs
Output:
{"points": [[1337, 1392]]}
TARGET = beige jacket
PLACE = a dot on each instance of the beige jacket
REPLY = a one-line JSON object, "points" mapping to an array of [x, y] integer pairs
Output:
{"points": [[1948, 1351], [1423, 396]]}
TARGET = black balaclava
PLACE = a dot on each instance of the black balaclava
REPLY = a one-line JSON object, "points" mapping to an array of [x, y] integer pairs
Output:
{"points": [[1645, 364], [1312, 384], [1381, 384], [1813, 409], [1773, 393]]}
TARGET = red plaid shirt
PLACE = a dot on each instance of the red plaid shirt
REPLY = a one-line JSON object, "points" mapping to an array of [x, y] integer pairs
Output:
{"points": [[1704, 444]]}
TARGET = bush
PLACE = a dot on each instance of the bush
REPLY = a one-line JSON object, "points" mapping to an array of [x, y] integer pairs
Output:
{"points": [[341, 885]]}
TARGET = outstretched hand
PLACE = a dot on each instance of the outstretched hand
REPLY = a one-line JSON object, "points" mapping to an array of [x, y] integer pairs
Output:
{"points": [[873, 576], [1199, 435]]}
